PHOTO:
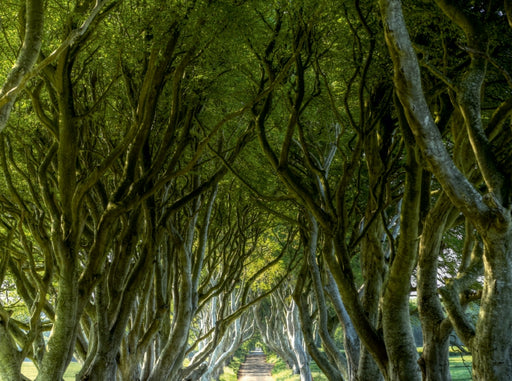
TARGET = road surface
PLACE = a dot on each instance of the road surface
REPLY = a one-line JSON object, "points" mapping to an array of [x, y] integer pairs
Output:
{"points": [[255, 368]]}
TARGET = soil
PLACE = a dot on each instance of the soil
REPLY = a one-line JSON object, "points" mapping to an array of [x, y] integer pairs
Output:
{"points": [[254, 368]]}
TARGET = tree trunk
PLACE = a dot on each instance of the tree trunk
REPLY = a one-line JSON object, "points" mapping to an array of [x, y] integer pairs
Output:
{"points": [[396, 322], [171, 357], [236, 334], [297, 342], [104, 367], [350, 338], [434, 361], [373, 270], [63, 336], [113, 308], [372, 257], [26, 59], [491, 343], [10, 363], [130, 371], [318, 289], [173, 353], [273, 334]]}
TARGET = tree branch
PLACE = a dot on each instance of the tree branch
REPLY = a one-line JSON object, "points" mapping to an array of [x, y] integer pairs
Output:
{"points": [[26, 59], [407, 79]]}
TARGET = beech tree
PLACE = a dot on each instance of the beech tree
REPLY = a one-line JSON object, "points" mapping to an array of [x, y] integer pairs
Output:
{"points": [[488, 212], [176, 178], [97, 183]]}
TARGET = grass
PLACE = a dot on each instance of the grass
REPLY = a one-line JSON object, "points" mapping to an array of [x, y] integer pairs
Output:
{"points": [[231, 371], [460, 364], [29, 370], [460, 367], [281, 372], [228, 375]]}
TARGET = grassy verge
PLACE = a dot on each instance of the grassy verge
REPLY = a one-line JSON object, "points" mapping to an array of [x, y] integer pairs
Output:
{"points": [[228, 375], [29, 370], [281, 372], [231, 371], [460, 369]]}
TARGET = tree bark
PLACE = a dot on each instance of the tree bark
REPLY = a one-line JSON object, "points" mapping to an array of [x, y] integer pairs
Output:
{"points": [[273, 336], [171, 357], [490, 343], [318, 290], [34, 20], [350, 338], [296, 340], [63, 335], [10, 361], [396, 322], [373, 263], [434, 361]]}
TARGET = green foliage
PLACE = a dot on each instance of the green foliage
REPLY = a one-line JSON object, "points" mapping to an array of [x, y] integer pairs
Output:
{"points": [[200, 84], [229, 374]]}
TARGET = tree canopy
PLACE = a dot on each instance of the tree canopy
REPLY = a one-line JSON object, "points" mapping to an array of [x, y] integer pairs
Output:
{"points": [[180, 177]]}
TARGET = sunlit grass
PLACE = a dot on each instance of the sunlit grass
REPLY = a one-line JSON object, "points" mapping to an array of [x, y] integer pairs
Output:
{"points": [[460, 364], [231, 371], [460, 367], [29, 370], [281, 372], [228, 375]]}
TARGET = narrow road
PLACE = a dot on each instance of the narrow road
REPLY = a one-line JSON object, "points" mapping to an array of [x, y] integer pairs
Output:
{"points": [[255, 368]]}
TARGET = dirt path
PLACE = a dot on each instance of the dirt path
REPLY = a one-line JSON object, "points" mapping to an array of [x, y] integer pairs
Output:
{"points": [[255, 368]]}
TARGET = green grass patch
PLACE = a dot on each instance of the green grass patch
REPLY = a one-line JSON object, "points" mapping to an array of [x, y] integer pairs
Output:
{"points": [[281, 372], [460, 364], [29, 370], [231, 371], [460, 367], [228, 375]]}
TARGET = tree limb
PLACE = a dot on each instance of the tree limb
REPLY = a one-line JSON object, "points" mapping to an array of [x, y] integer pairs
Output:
{"points": [[26, 59]]}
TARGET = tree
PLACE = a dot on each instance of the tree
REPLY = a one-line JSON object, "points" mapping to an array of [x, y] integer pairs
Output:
{"points": [[110, 154], [489, 213], [171, 172]]}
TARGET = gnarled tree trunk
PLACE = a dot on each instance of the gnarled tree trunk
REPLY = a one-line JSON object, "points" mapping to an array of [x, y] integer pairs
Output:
{"points": [[490, 341], [434, 361]]}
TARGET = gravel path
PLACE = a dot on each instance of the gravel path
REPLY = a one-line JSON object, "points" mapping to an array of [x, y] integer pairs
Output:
{"points": [[255, 368]]}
